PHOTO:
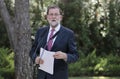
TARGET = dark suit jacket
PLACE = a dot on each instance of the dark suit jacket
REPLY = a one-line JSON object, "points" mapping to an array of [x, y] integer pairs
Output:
{"points": [[64, 42]]}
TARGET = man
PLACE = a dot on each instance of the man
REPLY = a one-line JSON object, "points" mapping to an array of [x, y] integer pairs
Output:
{"points": [[63, 44]]}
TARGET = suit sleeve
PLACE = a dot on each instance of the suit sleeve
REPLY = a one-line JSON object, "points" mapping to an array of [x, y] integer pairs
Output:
{"points": [[33, 52], [72, 54]]}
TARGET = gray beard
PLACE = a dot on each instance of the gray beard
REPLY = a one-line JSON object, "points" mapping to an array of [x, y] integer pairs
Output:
{"points": [[54, 24]]}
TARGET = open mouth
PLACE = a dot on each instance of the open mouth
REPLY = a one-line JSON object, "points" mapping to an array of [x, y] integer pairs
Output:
{"points": [[53, 20]]}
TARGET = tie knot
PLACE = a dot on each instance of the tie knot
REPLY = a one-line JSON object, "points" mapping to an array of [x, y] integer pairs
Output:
{"points": [[53, 30]]}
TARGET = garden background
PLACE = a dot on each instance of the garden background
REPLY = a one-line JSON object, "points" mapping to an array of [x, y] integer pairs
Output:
{"points": [[96, 24]]}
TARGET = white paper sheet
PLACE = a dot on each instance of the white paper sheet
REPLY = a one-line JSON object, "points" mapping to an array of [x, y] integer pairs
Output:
{"points": [[48, 65]]}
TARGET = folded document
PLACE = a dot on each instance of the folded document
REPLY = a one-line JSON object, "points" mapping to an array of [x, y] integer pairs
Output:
{"points": [[47, 57]]}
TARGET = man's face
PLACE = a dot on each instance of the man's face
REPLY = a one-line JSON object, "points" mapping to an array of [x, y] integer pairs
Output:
{"points": [[54, 17]]}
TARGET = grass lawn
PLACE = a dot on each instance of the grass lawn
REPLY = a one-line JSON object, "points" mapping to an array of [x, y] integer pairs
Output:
{"points": [[94, 77]]}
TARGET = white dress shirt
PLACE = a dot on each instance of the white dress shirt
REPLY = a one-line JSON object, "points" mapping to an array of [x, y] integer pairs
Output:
{"points": [[57, 28]]}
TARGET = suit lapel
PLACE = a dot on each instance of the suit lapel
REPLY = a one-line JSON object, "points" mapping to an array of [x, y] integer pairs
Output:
{"points": [[58, 38], [45, 37]]}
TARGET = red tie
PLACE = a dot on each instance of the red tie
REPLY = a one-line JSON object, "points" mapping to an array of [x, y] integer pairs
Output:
{"points": [[50, 41]]}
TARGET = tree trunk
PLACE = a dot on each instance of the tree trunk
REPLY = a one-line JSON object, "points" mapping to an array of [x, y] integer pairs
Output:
{"points": [[22, 61], [19, 32]]}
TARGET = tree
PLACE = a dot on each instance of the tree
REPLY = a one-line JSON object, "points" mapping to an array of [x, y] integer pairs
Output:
{"points": [[19, 33]]}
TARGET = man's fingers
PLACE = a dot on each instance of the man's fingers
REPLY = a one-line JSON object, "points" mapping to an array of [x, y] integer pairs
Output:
{"points": [[38, 60], [41, 61], [60, 55]]}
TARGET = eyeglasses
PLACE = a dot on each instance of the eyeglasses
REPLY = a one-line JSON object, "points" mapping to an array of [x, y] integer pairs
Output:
{"points": [[54, 14]]}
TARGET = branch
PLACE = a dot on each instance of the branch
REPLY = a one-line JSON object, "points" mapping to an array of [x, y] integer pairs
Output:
{"points": [[8, 22]]}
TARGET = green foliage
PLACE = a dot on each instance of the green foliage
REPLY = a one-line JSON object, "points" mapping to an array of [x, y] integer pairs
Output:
{"points": [[35, 15], [94, 29], [77, 17], [95, 65], [84, 66], [1, 77], [114, 27], [6, 62], [112, 66]]}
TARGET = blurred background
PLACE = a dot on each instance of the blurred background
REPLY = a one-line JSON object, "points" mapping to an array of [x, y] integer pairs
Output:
{"points": [[96, 24]]}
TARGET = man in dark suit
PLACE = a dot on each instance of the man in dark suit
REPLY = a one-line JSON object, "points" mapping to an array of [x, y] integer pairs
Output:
{"points": [[61, 40]]}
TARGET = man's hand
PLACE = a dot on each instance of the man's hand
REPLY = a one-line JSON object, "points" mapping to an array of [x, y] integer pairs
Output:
{"points": [[38, 60], [60, 55]]}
